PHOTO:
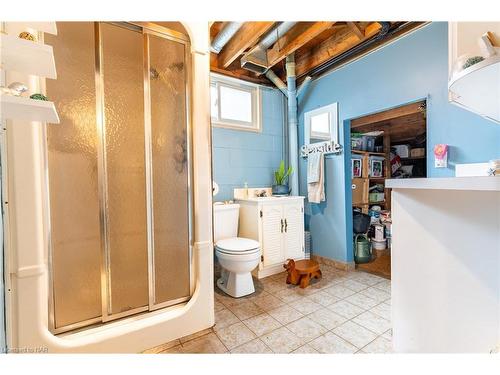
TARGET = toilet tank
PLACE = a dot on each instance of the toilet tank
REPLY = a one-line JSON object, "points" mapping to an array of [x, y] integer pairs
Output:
{"points": [[226, 221]]}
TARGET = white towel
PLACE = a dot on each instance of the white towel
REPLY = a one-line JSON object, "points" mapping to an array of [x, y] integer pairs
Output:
{"points": [[313, 167], [316, 190]]}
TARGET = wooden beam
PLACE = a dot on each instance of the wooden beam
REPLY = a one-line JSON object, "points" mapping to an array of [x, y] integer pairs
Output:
{"points": [[335, 45], [242, 74], [299, 35], [387, 115], [356, 30], [372, 29], [248, 34]]}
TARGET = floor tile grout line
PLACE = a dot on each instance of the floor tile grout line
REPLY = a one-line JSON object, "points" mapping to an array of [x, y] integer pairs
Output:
{"points": [[379, 336], [290, 305]]}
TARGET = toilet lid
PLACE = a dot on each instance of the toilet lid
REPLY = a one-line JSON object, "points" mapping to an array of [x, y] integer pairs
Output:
{"points": [[237, 245]]}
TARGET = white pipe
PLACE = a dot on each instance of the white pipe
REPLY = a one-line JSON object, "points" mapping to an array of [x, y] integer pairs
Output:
{"points": [[224, 36], [292, 124], [277, 81], [303, 87]]}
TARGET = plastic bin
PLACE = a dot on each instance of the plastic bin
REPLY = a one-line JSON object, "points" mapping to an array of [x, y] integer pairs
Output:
{"points": [[368, 143], [356, 143]]}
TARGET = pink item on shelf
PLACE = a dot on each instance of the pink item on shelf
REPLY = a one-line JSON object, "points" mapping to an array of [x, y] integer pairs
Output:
{"points": [[441, 155]]}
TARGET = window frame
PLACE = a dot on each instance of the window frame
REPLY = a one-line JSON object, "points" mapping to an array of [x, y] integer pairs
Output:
{"points": [[320, 135], [332, 111], [255, 125]]}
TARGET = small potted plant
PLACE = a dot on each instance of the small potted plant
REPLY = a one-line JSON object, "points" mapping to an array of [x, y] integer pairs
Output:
{"points": [[280, 178]]}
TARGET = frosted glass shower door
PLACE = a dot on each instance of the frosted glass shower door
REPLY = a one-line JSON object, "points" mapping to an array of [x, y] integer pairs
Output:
{"points": [[118, 172], [124, 168], [73, 183], [170, 170]]}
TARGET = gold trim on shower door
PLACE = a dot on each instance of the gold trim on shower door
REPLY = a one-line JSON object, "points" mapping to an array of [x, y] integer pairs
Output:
{"points": [[101, 170], [149, 177]]}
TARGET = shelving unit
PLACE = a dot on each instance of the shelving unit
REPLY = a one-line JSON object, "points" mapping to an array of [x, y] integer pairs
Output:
{"points": [[26, 56], [21, 108], [476, 88], [368, 153], [399, 125], [30, 58], [44, 27], [361, 196]]}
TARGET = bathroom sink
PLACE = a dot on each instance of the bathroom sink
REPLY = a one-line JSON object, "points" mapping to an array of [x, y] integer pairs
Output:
{"points": [[264, 199]]}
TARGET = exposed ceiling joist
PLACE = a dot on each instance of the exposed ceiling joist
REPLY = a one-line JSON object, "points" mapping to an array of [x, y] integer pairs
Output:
{"points": [[318, 46], [301, 34], [410, 109], [241, 74], [340, 42], [356, 30], [244, 38]]}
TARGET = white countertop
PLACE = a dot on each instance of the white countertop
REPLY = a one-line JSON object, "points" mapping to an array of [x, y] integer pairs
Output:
{"points": [[446, 183], [270, 199]]}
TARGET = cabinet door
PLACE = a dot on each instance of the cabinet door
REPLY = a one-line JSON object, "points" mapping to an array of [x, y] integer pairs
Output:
{"points": [[294, 230], [359, 190], [272, 236]]}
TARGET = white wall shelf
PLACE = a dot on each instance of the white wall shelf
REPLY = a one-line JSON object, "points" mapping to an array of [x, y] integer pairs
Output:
{"points": [[45, 27], [477, 88], [25, 56], [21, 108]]}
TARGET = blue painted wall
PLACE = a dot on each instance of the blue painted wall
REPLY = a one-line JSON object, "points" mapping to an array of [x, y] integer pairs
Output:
{"points": [[243, 156], [409, 69]]}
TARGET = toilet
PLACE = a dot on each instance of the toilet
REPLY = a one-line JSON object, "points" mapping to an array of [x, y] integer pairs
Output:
{"points": [[237, 256]]}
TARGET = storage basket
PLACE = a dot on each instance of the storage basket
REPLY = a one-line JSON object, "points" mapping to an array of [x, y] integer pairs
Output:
{"points": [[376, 197]]}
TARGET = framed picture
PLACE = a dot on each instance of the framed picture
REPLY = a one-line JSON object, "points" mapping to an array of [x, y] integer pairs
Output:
{"points": [[376, 168], [356, 167]]}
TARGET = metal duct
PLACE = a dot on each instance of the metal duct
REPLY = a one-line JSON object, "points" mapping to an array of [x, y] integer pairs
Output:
{"points": [[275, 34], [277, 81], [256, 59], [293, 148], [224, 36]]}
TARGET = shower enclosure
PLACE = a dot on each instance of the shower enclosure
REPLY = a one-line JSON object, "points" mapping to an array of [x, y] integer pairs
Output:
{"points": [[118, 171]]}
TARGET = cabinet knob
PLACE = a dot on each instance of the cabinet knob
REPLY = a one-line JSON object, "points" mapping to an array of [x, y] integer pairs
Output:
{"points": [[286, 225]]}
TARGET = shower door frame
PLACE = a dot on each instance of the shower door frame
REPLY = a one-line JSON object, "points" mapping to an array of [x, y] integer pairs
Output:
{"points": [[146, 29]]}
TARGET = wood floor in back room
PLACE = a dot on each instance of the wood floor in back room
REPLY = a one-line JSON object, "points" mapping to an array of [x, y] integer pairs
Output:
{"points": [[380, 266]]}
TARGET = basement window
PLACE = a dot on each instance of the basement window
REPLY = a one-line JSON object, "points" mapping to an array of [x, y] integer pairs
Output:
{"points": [[235, 104]]}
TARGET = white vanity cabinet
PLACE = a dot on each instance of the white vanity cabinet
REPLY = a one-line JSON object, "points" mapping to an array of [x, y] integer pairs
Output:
{"points": [[278, 225]]}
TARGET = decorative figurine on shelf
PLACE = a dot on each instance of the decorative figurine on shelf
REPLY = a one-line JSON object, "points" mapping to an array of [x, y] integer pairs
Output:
{"points": [[14, 89], [38, 97], [27, 36], [472, 61], [441, 156]]}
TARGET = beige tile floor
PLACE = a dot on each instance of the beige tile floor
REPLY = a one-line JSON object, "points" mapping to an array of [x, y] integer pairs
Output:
{"points": [[344, 312]]}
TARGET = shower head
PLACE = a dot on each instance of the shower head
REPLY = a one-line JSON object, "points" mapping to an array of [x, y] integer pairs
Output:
{"points": [[153, 73]]}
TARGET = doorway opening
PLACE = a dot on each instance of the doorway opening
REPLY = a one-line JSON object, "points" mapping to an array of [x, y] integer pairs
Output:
{"points": [[384, 145]]}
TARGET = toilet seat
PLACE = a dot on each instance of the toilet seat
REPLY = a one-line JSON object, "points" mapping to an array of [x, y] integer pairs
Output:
{"points": [[237, 246]]}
